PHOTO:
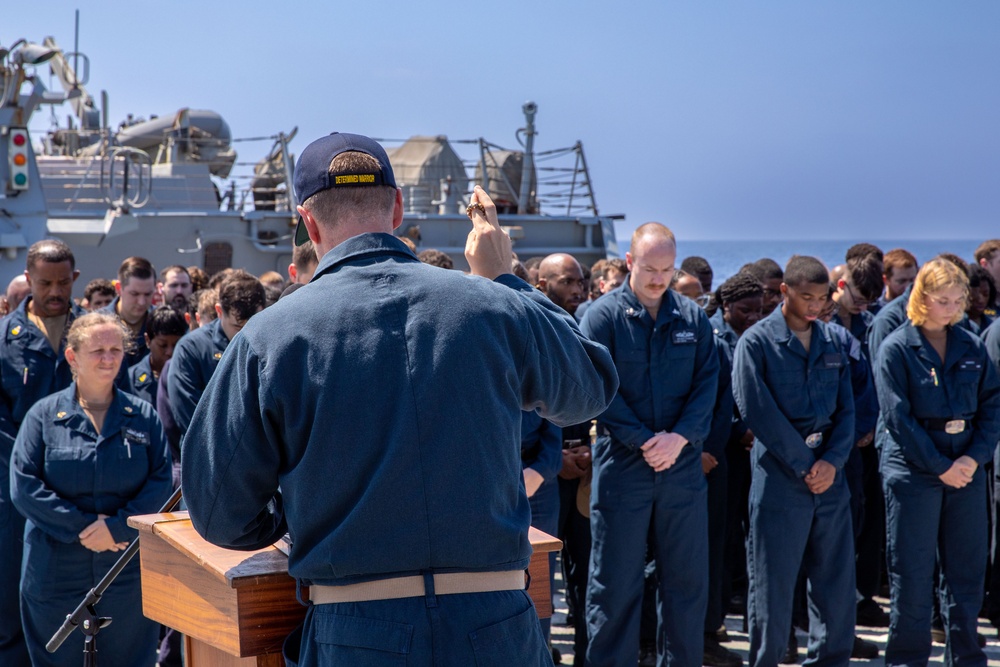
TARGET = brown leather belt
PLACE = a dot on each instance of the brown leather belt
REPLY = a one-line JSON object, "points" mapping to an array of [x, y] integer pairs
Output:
{"points": [[448, 583]]}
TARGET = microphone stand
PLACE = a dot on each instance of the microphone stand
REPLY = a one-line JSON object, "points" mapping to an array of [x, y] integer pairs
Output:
{"points": [[84, 616]]}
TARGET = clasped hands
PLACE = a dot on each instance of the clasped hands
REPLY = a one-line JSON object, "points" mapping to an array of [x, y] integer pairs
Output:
{"points": [[960, 473], [661, 451], [97, 536]]}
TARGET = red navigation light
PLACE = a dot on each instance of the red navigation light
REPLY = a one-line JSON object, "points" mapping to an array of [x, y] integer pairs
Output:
{"points": [[19, 139]]}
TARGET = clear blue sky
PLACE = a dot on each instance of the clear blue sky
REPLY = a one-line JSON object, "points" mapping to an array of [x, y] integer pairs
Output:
{"points": [[770, 119]]}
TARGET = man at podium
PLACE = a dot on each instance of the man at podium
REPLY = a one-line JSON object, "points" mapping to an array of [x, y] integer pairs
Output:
{"points": [[384, 399]]}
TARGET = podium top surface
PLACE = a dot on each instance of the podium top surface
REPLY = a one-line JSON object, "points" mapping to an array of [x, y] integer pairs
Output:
{"points": [[238, 568]]}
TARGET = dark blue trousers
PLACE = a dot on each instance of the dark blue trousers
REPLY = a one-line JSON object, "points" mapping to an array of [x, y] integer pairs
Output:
{"points": [[791, 529], [56, 577], [927, 520], [629, 503], [871, 541], [486, 629], [715, 612], [575, 534], [13, 649]]}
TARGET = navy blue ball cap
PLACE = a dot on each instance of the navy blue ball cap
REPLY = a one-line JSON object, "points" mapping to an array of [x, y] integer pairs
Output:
{"points": [[312, 169]]}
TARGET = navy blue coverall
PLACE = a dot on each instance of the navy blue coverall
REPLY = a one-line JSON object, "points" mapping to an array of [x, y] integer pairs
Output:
{"points": [[669, 371], [142, 382], [385, 399], [801, 410], [918, 395], [29, 371], [63, 474], [194, 362], [718, 483]]}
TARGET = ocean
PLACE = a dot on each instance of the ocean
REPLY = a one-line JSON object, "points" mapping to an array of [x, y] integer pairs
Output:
{"points": [[726, 257]]}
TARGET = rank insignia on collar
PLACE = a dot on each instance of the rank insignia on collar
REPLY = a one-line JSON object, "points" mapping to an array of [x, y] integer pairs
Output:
{"points": [[142, 378], [218, 355], [60, 415], [128, 408], [16, 330]]}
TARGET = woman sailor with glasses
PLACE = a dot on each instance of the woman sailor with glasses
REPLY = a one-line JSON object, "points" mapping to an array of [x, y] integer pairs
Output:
{"points": [[939, 396]]}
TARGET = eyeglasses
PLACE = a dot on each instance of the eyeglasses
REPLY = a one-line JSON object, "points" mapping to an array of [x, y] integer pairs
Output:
{"points": [[771, 293], [854, 297]]}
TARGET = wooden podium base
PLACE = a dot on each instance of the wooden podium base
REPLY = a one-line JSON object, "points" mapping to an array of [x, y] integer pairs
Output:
{"points": [[235, 608]]}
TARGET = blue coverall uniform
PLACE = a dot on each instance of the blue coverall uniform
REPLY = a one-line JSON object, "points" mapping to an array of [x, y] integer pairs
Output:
{"points": [[918, 395], [385, 399], [194, 362], [63, 474], [541, 450], [737, 481], [669, 371], [801, 409], [991, 339], [142, 382], [718, 483], [29, 371]]}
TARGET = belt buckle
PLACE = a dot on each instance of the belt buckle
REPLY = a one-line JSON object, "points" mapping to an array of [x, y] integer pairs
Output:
{"points": [[954, 426], [814, 440]]}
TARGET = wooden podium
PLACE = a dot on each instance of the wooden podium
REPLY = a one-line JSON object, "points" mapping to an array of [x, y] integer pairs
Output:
{"points": [[237, 607]]}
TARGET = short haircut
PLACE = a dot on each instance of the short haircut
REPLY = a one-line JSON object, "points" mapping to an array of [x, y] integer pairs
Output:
{"points": [[865, 276], [98, 286], [241, 295], [52, 251], [199, 279], [363, 201], [272, 278], [859, 250], [135, 267], [597, 269], [436, 258], [220, 277], [898, 258], [977, 276], [204, 304], [695, 265], [934, 276], [765, 269], [654, 230], [532, 262], [174, 268], [802, 269], [736, 288], [304, 256], [616, 264], [956, 260], [986, 250], [165, 321]]}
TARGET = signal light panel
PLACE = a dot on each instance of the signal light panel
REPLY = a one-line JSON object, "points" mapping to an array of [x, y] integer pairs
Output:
{"points": [[17, 150]]}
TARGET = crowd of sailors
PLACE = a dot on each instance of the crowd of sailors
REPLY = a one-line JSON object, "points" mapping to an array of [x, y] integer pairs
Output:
{"points": [[781, 447]]}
